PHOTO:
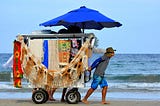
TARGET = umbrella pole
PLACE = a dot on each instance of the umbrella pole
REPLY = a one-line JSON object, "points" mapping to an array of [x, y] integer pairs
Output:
{"points": [[83, 26]]}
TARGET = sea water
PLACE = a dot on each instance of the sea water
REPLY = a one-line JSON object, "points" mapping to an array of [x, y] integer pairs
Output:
{"points": [[130, 76]]}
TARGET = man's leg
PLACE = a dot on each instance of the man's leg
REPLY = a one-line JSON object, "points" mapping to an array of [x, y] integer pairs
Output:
{"points": [[63, 94], [104, 92], [51, 92], [94, 85], [89, 92]]}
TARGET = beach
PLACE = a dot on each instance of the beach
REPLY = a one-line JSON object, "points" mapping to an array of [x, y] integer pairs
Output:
{"points": [[28, 102], [133, 81], [16, 98]]}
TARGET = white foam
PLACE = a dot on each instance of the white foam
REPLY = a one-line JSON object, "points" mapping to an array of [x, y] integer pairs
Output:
{"points": [[142, 86]]}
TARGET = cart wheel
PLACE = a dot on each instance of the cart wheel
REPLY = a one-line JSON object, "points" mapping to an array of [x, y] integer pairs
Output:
{"points": [[72, 97], [79, 96], [46, 95], [39, 97]]}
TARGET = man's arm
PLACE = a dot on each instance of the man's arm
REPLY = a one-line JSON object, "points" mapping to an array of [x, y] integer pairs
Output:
{"points": [[95, 64]]}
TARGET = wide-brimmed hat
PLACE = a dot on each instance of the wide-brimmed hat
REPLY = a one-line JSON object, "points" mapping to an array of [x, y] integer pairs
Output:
{"points": [[110, 50]]}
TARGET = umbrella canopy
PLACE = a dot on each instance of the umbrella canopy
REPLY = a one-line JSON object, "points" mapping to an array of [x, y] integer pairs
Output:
{"points": [[84, 18]]}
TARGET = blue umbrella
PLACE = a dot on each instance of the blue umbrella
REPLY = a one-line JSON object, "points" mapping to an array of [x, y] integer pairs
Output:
{"points": [[84, 18]]}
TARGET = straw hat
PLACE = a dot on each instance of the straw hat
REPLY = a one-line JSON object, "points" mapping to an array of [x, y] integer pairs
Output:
{"points": [[109, 50]]}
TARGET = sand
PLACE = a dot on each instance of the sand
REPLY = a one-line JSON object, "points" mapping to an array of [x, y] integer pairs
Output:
{"points": [[27, 102]]}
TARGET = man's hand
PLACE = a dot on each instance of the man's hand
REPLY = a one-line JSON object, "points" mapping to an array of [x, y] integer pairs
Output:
{"points": [[89, 68]]}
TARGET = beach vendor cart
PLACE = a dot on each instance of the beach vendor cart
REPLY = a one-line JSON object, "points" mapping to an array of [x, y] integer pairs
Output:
{"points": [[52, 61], [58, 60]]}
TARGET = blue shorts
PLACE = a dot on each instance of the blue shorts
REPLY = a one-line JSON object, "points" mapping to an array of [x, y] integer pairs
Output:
{"points": [[98, 80]]}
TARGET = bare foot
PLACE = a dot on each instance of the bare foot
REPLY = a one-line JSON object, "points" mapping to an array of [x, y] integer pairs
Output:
{"points": [[85, 101], [52, 99], [62, 100], [104, 102]]}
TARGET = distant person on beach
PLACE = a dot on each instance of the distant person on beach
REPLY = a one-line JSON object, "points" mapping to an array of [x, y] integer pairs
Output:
{"points": [[98, 77]]}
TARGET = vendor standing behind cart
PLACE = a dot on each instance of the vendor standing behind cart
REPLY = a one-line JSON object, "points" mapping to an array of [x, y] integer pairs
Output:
{"points": [[98, 77]]}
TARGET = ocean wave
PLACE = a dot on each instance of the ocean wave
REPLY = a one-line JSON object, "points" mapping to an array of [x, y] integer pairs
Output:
{"points": [[5, 76], [148, 78], [7, 86], [136, 86]]}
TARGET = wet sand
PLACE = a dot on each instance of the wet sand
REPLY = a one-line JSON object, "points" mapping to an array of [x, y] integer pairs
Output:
{"points": [[28, 102]]}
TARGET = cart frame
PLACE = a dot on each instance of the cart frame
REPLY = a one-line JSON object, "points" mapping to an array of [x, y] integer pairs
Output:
{"points": [[46, 82]]}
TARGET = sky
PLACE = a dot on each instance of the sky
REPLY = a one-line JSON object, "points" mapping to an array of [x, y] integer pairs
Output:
{"points": [[140, 19]]}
